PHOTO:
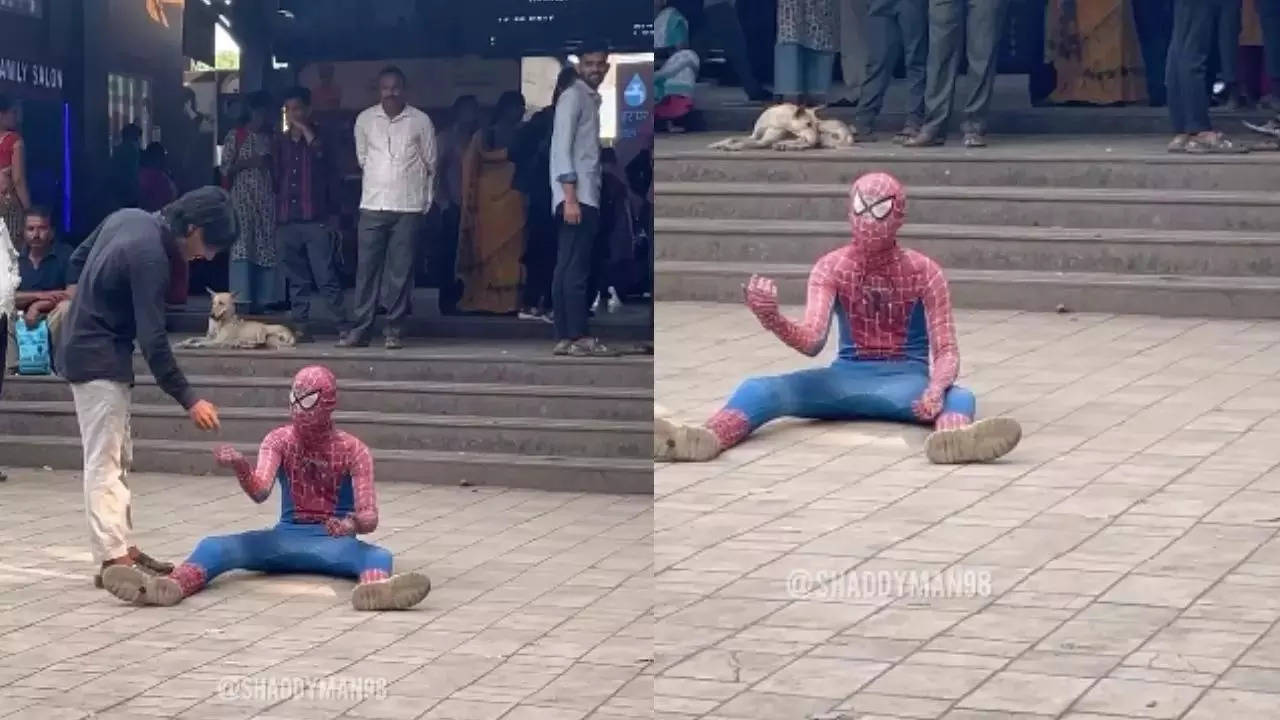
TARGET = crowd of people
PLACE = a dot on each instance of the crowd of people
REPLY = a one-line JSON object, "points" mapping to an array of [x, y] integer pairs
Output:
{"points": [[533, 217], [1185, 54]]}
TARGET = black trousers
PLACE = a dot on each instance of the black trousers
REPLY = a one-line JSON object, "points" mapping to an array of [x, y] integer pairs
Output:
{"points": [[1154, 22], [1269, 13], [450, 285], [723, 19], [575, 251], [539, 258], [4, 347], [1188, 64]]}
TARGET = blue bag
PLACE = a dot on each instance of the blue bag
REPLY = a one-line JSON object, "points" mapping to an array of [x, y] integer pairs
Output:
{"points": [[33, 347]]}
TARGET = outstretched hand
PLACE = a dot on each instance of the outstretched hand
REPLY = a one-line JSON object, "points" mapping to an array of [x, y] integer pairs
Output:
{"points": [[761, 296], [929, 406], [227, 456]]}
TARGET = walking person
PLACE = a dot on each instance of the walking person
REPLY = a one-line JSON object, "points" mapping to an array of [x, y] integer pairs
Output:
{"points": [[119, 301], [575, 190], [246, 167], [894, 27], [307, 210], [396, 149], [1187, 81], [15, 196], [972, 28]]}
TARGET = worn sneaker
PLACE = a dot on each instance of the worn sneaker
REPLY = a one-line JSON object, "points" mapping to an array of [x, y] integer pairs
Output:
{"points": [[1270, 127], [982, 441], [144, 561], [398, 592], [135, 585], [591, 347], [562, 347], [678, 442], [393, 342]]}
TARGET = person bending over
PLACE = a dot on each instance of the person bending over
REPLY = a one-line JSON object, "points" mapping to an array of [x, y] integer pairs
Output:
{"points": [[898, 357], [326, 498]]}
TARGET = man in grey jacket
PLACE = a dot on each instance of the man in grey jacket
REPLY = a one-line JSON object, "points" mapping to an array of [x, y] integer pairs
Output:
{"points": [[119, 299]]}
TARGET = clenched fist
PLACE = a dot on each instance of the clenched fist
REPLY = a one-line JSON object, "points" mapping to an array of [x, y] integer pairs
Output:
{"points": [[761, 295], [340, 526], [227, 456], [929, 406]]}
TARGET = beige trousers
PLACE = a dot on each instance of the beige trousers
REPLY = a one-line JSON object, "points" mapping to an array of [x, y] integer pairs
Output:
{"points": [[853, 49], [102, 407], [54, 318]]}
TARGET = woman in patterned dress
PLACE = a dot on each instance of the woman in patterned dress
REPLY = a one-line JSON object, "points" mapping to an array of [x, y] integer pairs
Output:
{"points": [[806, 50], [15, 198], [246, 172]]}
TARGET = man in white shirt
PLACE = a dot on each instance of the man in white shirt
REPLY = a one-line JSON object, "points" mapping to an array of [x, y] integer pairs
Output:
{"points": [[396, 148]]}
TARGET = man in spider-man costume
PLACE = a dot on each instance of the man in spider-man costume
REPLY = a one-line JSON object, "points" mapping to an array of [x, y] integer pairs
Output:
{"points": [[326, 498], [898, 358]]}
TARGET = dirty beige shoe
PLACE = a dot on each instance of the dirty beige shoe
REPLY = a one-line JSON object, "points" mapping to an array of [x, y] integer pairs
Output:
{"points": [[398, 592], [982, 441], [135, 585], [674, 441]]}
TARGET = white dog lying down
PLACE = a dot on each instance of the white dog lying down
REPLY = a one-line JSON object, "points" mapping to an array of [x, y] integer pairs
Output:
{"points": [[791, 127], [229, 331]]}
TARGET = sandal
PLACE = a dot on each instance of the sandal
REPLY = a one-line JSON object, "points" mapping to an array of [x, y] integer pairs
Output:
{"points": [[591, 347], [1214, 144], [974, 139], [1179, 143], [1270, 127]]}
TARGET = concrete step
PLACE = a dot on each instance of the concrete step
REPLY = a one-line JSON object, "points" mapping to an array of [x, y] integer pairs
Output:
{"points": [[1177, 295], [516, 363], [450, 433], [433, 398], [608, 475], [1098, 164], [1023, 206], [739, 116], [982, 247]]}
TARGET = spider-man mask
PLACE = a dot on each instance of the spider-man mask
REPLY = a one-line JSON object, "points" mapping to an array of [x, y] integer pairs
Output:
{"points": [[877, 208], [312, 399]]}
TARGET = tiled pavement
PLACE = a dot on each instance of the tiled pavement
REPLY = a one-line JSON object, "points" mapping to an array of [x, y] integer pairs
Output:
{"points": [[1130, 542], [542, 610]]}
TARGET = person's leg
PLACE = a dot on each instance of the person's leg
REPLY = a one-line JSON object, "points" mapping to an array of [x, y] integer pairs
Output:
{"points": [[818, 68], [397, 278], [913, 23], [374, 232], [11, 344], [788, 74], [1229, 22], [1196, 44], [450, 290], [102, 411], [319, 249], [212, 557], [55, 318], [856, 50], [293, 261], [1269, 18], [723, 19], [581, 248], [309, 549], [565, 234], [1154, 21], [985, 26], [946, 40], [883, 44]]}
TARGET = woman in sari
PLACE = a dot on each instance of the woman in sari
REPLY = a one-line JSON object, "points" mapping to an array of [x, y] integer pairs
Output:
{"points": [[15, 198], [492, 234], [1093, 47]]}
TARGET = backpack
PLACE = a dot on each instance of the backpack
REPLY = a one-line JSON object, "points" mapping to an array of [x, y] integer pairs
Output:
{"points": [[33, 347]]}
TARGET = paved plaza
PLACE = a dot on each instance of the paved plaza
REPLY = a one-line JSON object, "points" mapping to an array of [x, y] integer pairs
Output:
{"points": [[541, 610], [1121, 563]]}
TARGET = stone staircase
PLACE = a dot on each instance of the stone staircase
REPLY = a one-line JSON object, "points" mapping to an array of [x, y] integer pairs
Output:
{"points": [[455, 412], [1043, 223]]}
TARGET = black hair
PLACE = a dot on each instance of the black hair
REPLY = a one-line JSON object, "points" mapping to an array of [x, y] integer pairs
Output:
{"points": [[153, 156], [394, 71], [259, 100], [299, 93], [208, 208], [608, 156], [6, 103], [131, 131], [466, 101], [593, 47], [568, 76], [507, 101], [39, 211]]}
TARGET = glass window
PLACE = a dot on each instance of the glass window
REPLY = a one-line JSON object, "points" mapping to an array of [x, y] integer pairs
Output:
{"points": [[34, 8], [128, 101]]}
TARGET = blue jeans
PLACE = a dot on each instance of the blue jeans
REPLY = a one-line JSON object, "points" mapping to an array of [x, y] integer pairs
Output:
{"points": [[847, 390], [289, 548], [797, 70]]}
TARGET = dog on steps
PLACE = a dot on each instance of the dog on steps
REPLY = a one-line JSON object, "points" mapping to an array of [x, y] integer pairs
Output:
{"points": [[227, 330], [791, 127]]}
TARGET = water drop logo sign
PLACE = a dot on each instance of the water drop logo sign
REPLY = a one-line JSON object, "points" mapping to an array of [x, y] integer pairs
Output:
{"points": [[635, 92]]}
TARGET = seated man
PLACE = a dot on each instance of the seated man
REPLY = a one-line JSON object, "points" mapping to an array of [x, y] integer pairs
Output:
{"points": [[898, 358], [326, 498], [42, 294]]}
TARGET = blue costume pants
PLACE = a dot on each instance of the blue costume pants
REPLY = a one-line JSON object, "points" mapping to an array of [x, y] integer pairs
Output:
{"points": [[292, 547], [847, 390]]}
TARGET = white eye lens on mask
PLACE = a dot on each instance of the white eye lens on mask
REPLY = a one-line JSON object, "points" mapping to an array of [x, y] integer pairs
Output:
{"points": [[307, 401], [859, 205], [882, 209]]}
